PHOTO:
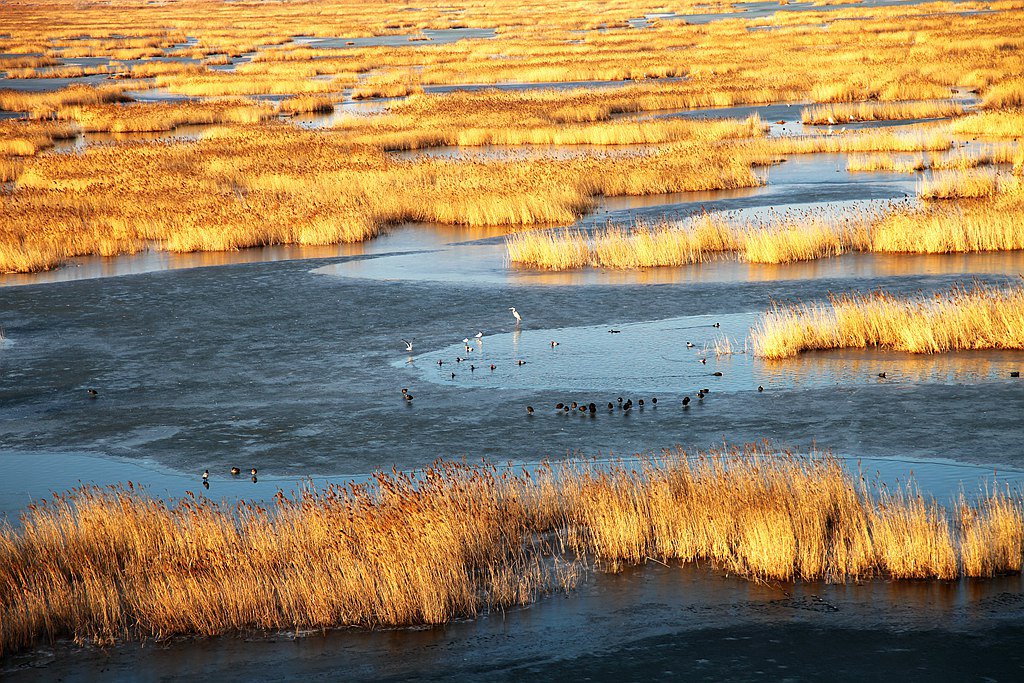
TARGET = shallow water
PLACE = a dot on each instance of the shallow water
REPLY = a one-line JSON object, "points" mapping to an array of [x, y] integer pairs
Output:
{"points": [[436, 37], [648, 623]]}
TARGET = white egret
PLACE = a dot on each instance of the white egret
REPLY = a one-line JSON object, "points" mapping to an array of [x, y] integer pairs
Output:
{"points": [[515, 313], [408, 345]]}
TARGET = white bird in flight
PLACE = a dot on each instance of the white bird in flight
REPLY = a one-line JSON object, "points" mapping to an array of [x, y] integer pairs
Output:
{"points": [[478, 335], [408, 345], [518, 317]]}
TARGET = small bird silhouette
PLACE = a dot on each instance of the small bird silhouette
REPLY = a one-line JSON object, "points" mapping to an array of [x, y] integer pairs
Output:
{"points": [[686, 401], [235, 471], [614, 331], [408, 345], [760, 388], [253, 471], [492, 366], [92, 393], [882, 375], [690, 345], [716, 374], [529, 410], [559, 406], [554, 344], [206, 474]]}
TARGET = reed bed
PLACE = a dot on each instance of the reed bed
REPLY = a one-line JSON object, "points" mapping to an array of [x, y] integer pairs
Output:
{"points": [[44, 103], [99, 565], [136, 118], [780, 239], [27, 138], [493, 117], [889, 163], [227, 84], [306, 104], [879, 111], [965, 318], [992, 220], [272, 183], [991, 124], [962, 184]]}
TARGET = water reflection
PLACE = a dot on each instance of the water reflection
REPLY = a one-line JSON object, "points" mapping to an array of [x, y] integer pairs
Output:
{"points": [[152, 260], [666, 365], [860, 365]]}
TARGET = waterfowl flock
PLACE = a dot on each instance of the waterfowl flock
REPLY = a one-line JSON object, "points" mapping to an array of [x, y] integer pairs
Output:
{"points": [[474, 344]]}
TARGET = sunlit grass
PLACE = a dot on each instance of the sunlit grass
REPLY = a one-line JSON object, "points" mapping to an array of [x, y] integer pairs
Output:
{"points": [[455, 540], [978, 317], [879, 111]]}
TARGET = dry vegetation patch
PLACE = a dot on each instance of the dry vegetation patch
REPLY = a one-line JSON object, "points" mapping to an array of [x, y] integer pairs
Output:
{"points": [[454, 540], [965, 318]]}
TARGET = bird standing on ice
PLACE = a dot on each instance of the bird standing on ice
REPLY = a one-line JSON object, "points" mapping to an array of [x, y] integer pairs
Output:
{"points": [[515, 313]]}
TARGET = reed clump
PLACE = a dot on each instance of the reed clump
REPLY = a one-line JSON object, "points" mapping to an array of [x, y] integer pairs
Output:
{"points": [[20, 138], [991, 124], [306, 104], [99, 565], [889, 163], [961, 184], [836, 113], [964, 318], [494, 117], [796, 236], [40, 104], [136, 118]]}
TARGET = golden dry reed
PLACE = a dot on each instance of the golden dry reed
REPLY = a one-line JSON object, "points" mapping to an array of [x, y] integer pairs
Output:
{"points": [[989, 216], [796, 236], [272, 183], [879, 111], [98, 565], [964, 318]]}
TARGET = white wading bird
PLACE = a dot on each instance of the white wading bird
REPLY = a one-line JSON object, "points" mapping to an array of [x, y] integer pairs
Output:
{"points": [[515, 313]]}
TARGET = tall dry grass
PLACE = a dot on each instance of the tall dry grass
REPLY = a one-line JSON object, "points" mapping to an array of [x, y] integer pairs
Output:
{"points": [[796, 236], [546, 117], [885, 162], [99, 565], [994, 124], [879, 111], [987, 216], [136, 118], [965, 318], [45, 103], [271, 183]]}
